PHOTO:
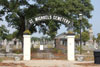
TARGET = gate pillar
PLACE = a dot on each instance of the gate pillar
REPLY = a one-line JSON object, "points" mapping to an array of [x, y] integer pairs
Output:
{"points": [[71, 47], [27, 47]]}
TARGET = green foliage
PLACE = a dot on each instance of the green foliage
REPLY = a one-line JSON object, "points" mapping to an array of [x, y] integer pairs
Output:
{"points": [[9, 37], [35, 38], [17, 51], [37, 46], [70, 32], [50, 46], [53, 27], [33, 49], [77, 36], [27, 32], [59, 51], [15, 34], [79, 48], [19, 10], [1, 59], [85, 36], [94, 38], [98, 38], [55, 50], [3, 32]]}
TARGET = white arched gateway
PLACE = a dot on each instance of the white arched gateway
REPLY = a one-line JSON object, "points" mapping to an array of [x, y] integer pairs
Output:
{"points": [[70, 37]]}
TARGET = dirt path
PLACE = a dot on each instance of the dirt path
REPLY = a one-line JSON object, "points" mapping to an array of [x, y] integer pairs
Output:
{"points": [[51, 63], [45, 63]]}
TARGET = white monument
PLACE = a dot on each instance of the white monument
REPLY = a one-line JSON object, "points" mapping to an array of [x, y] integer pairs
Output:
{"points": [[71, 47], [90, 42], [8, 48], [5, 42], [27, 47], [41, 47]]}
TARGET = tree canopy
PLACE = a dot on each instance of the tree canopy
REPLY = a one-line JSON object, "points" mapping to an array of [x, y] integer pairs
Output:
{"points": [[18, 11], [98, 38], [85, 36], [3, 32]]}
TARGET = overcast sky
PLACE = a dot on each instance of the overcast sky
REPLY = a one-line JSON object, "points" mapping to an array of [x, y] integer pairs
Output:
{"points": [[95, 20]]}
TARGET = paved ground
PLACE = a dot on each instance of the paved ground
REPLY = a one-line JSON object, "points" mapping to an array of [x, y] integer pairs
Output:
{"points": [[52, 63]]}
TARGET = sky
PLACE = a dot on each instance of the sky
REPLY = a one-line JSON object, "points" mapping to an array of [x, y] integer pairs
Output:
{"points": [[95, 21]]}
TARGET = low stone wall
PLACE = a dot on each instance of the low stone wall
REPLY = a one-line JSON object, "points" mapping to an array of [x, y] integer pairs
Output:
{"points": [[13, 55]]}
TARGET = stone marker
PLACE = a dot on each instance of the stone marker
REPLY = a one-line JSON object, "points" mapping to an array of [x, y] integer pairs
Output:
{"points": [[41, 47]]}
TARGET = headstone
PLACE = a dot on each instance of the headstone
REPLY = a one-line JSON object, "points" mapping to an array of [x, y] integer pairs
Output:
{"points": [[17, 44], [95, 45], [5, 42], [2, 43], [20, 44], [91, 36], [41, 47], [91, 33], [8, 48]]}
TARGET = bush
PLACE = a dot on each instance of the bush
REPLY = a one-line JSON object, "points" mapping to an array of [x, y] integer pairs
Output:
{"points": [[49, 46], [70, 32], [78, 48], [27, 32], [59, 51], [55, 50], [37, 46], [33, 50], [1, 59], [17, 51]]}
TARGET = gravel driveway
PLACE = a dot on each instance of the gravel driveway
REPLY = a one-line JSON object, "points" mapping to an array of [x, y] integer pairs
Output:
{"points": [[53, 63]]}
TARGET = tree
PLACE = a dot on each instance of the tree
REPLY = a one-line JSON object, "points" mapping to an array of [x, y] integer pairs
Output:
{"points": [[35, 39], [3, 32], [85, 36], [12, 35], [9, 37], [17, 11], [98, 38], [94, 39], [15, 34], [77, 38]]}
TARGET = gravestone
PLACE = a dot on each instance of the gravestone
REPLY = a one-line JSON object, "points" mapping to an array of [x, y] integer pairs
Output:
{"points": [[5, 42], [8, 48], [90, 42], [17, 44], [41, 47], [95, 45]]}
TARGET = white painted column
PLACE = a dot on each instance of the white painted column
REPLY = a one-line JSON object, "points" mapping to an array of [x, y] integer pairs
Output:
{"points": [[71, 47], [27, 47]]}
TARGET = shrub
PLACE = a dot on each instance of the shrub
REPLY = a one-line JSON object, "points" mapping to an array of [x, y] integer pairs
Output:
{"points": [[78, 48], [33, 50], [27, 32], [59, 51], [37, 46], [49, 46], [70, 32], [55, 50], [1, 59], [17, 51]]}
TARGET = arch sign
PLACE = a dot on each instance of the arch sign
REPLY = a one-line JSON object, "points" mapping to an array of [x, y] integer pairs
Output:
{"points": [[49, 17]]}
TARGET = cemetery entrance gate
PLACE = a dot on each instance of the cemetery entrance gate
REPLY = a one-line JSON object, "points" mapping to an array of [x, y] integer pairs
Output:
{"points": [[70, 37]]}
